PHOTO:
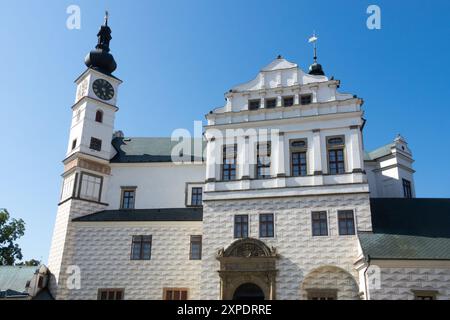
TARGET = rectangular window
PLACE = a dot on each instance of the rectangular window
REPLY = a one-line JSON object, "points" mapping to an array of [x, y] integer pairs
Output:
{"points": [[229, 162], [266, 225], [298, 158], [346, 222], [305, 99], [128, 198], [288, 101], [254, 104], [40, 282], [74, 143], [263, 161], [96, 144], [110, 294], [425, 294], [196, 196], [407, 188], [319, 223], [90, 187], [322, 294], [336, 163], [271, 103], [175, 294], [241, 226], [68, 187], [195, 252], [141, 248]]}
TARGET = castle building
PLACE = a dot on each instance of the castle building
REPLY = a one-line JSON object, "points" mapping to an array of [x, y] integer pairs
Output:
{"points": [[279, 200]]}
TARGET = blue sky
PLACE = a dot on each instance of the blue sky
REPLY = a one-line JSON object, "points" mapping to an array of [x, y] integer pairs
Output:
{"points": [[177, 58]]}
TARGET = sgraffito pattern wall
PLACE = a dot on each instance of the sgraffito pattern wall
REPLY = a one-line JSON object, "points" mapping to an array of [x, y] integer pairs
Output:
{"points": [[399, 283], [300, 252], [103, 255]]}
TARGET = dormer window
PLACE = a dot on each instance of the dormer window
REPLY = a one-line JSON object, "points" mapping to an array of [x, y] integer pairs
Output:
{"points": [[305, 99], [99, 116], [254, 104], [271, 103], [288, 101]]}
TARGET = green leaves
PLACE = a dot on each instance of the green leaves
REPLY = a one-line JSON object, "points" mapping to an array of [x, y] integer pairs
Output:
{"points": [[10, 231]]}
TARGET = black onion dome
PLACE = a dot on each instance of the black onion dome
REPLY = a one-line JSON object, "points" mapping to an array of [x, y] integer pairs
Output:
{"points": [[100, 59], [316, 69]]}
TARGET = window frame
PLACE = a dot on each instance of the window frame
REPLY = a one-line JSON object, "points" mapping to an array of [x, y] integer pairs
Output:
{"points": [[250, 101], [173, 290], [74, 144], [318, 294], [266, 223], [339, 212], [99, 116], [230, 177], [107, 291], [263, 166], [195, 239], [298, 150], [94, 143], [122, 197], [425, 294], [407, 189], [335, 148], [320, 221], [80, 185], [141, 247], [197, 195], [238, 233], [288, 98], [302, 96], [266, 103]]}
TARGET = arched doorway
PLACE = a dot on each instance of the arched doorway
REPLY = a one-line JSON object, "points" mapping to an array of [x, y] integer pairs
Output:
{"points": [[248, 291], [247, 270]]}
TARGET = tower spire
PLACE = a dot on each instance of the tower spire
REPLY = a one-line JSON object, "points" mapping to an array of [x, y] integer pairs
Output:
{"points": [[106, 17], [100, 59], [315, 68]]}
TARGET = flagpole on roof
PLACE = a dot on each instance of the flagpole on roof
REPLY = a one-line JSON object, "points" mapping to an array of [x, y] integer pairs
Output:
{"points": [[313, 39]]}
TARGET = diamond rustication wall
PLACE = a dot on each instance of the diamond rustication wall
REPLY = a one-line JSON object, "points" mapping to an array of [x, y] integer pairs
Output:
{"points": [[300, 252], [102, 252]]}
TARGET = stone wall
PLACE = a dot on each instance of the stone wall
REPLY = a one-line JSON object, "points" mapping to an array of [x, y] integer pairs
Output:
{"points": [[300, 252], [102, 252]]}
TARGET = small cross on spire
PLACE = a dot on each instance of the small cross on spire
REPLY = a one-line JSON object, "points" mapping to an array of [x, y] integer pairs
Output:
{"points": [[106, 17]]}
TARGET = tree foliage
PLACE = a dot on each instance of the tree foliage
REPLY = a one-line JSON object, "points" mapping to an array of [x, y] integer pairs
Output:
{"points": [[29, 263], [10, 231]]}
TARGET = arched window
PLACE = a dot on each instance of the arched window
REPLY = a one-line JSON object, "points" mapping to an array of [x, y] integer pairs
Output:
{"points": [[99, 116]]}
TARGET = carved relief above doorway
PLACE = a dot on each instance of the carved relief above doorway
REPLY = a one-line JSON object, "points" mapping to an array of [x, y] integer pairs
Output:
{"points": [[247, 263]]}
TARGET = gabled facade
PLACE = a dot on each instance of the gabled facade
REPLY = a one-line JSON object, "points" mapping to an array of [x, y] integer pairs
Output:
{"points": [[278, 206]]}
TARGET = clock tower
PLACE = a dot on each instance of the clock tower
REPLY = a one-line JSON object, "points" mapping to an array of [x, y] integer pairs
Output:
{"points": [[86, 165]]}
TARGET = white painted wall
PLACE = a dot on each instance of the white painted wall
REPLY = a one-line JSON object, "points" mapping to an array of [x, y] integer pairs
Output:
{"points": [[159, 185]]}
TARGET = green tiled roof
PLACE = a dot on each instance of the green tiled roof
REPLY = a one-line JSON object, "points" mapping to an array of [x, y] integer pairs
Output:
{"points": [[378, 153], [148, 149], [14, 278], [408, 229], [392, 246], [158, 149]]}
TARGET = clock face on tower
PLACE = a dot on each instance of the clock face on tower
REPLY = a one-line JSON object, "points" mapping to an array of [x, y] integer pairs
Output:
{"points": [[103, 89]]}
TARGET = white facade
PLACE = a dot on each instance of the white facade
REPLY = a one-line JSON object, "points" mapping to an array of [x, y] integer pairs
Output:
{"points": [[293, 106]]}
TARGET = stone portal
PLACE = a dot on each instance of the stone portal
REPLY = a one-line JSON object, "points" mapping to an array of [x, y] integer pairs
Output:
{"points": [[247, 270]]}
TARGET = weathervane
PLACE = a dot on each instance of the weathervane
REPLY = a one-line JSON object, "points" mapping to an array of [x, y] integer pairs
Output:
{"points": [[106, 17], [313, 40]]}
